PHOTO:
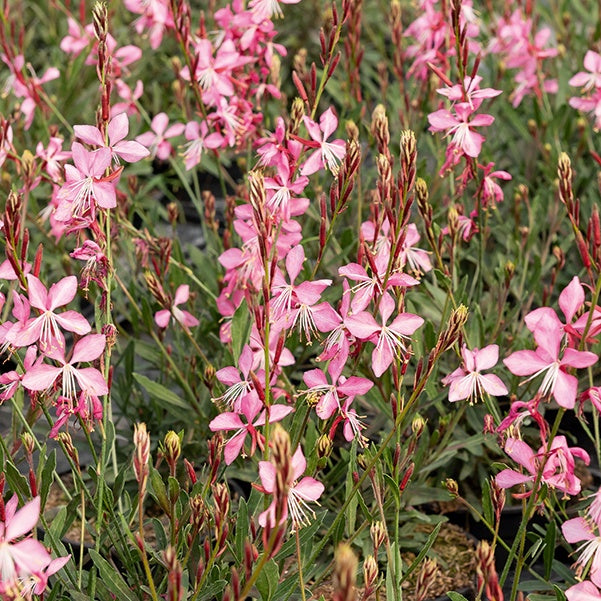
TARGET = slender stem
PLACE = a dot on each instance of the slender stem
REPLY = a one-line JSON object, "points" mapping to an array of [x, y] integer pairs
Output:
{"points": [[300, 565]]}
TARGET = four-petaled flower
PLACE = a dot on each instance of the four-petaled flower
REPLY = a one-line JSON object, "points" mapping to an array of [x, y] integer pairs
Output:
{"points": [[299, 493], [468, 383]]}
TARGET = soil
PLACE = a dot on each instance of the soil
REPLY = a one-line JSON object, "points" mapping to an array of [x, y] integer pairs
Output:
{"points": [[454, 552]]}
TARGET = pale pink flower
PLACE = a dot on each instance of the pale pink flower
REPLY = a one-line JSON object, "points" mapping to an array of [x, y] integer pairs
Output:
{"points": [[250, 408], [390, 340], [46, 327], [557, 465], [199, 138], [117, 129], [267, 9], [583, 591], [185, 318], [587, 80], [156, 140], [300, 493], [77, 39], [42, 376], [86, 185], [327, 154], [546, 360], [329, 396], [588, 531], [20, 558], [460, 125], [468, 383]]}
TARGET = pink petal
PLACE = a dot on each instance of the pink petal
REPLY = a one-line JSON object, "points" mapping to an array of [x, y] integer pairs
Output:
{"points": [[162, 318], [362, 325], [89, 134], [74, 322], [309, 489], [118, 128], [521, 453], [493, 385], [104, 193], [233, 447], [182, 294], [267, 475], [24, 520], [381, 358], [38, 296], [226, 421], [406, 323], [294, 262], [487, 357], [91, 381], [41, 377], [355, 386], [576, 530], [30, 555], [524, 363], [88, 348], [62, 293], [565, 390], [131, 151], [579, 359], [461, 388], [571, 298], [508, 478]]}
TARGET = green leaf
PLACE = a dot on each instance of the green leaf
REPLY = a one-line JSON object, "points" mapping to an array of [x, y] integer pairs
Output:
{"points": [[423, 552], [549, 550], [241, 528], [160, 392], [267, 582], [453, 596], [241, 324], [47, 476], [212, 590], [487, 509], [159, 489], [17, 482], [112, 579]]}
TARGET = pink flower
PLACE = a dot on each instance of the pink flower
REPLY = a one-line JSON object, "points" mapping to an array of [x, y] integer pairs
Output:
{"points": [[545, 360], [390, 339], [583, 591], [592, 79], [42, 376], [491, 192], [27, 556], [251, 405], [156, 140], [468, 383], [329, 395], [327, 154], [199, 139], [266, 9], [557, 465], [116, 130], [87, 185], [299, 493], [179, 315], [460, 126], [587, 530], [45, 327]]}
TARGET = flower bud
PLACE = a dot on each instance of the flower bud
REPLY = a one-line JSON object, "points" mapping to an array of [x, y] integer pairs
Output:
{"points": [[173, 449], [141, 455], [377, 532], [345, 570], [324, 446], [452, 487]]}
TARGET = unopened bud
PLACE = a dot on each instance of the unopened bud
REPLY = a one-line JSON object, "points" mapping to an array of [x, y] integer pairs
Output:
{"points": [[172, 213], [352, 131], [28, 443], [370, 571], [324, 446], [377, 532], [173, 448], [452, 487], [345, 570], [425, 578], [141, 454], [296, 115], [417, 425]]}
